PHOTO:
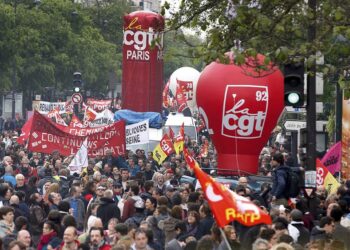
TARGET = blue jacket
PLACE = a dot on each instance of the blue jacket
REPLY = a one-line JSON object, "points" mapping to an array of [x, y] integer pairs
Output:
{"points": [[279, 178], [10, 178]]}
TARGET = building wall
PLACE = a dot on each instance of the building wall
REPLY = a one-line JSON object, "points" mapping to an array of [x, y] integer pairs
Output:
{"points": [[152, 5]]}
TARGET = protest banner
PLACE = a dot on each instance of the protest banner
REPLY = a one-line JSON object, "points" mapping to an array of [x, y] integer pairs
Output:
{"points": [[137, 133], [332, 159], [98, 105], [325, 178], [45, 107], [46, 136]]}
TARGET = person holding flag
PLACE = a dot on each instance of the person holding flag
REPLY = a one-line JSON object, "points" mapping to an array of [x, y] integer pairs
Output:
{"points": [[179, 140], [225, 204]]}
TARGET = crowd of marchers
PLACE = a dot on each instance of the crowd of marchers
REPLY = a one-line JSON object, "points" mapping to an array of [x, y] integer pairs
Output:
{"points": [[131, 202]]}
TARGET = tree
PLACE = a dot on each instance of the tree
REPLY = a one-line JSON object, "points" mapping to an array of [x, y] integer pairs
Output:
{"points": [[43, 45], [178, 52], [283, 30], [278, 29]]}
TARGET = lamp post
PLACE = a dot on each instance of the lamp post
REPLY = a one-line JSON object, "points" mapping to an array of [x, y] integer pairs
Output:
{"points": [[14, 69]]}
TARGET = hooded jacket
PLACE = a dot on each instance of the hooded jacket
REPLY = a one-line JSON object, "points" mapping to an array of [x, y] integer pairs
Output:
{"points": [[107, 210]]}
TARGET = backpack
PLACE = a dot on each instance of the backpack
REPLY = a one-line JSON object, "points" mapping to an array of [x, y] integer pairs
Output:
{"points": [[292, 184], [64, 188]]}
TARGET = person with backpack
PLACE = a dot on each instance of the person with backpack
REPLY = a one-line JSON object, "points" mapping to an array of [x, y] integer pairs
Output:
{"points": [[279, 189]]}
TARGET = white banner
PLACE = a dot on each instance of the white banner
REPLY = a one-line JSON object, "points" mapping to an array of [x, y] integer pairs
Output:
{"points": [[80, 160], [45, 107], [103, 118], [137, 133]]}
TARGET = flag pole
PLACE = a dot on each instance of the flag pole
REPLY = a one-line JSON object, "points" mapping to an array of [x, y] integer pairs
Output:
{"points": [[225, 238]]}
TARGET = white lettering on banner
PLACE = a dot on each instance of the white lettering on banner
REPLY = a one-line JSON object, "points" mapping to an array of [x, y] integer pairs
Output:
{"points": [[70, 142], [89, 131], [137, 133], [116, 150], [239, 121]]}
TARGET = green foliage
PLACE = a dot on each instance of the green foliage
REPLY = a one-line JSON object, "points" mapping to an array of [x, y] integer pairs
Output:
{"points": [[181, 50], [281, 29], [48, 42], [276, 28]]}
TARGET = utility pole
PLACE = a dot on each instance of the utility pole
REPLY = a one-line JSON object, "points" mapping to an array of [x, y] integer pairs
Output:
{"points": [[311, 96], [338, 112], [14, 69]]}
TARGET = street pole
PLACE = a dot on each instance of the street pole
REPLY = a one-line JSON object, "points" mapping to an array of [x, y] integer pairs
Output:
{"points": [[14, 80], [338, 112], [311, 96]]}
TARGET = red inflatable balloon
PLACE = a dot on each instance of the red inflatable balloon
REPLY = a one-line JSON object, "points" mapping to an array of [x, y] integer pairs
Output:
{"points": [[241, 106]]}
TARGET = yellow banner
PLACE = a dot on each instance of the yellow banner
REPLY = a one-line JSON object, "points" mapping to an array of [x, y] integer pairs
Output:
{"points": [[158, 154], [179, 147], [331, 184]]}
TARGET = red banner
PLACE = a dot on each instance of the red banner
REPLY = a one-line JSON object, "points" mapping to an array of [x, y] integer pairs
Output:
{"points": [[47, 136], [187, 89], [143, 61], [180, 98], [98, 105]]}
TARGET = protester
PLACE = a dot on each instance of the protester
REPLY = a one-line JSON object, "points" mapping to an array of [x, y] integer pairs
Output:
{"points": [[131, 201], [6, 221]]}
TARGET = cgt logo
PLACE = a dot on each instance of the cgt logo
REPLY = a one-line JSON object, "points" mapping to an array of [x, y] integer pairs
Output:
{"points": [[244, 111], [140, 41]]}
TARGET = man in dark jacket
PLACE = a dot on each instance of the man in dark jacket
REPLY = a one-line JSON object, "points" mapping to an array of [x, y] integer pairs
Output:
{"points": [[340, 233], [206, 221], [279, 177], [108, 208], [324, 231]]}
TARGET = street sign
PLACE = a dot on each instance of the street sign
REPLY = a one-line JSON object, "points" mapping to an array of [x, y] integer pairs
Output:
{"points": [[295, 110], [77, 98], [294, 125]]}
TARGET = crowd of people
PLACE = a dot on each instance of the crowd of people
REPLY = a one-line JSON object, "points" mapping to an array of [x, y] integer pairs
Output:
{"points": [[130, 202]]}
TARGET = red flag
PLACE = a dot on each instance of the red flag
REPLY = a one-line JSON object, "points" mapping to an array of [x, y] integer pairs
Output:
{"points": [[180, 140], [163, 149], [75, 122], [226, 205], [325, 178], [90, 114], [55, 113], [171, 134], [180, 98], [25, 131]]}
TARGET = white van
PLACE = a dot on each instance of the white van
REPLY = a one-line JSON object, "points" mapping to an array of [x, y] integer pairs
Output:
{"points": [[175, 121]]}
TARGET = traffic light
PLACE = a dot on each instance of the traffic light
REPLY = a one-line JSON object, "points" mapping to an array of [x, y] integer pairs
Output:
{"points": [[294, 84], [77, 82]]}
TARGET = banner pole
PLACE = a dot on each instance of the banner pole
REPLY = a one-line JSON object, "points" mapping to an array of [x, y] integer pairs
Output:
{"points": [[225, 239]]}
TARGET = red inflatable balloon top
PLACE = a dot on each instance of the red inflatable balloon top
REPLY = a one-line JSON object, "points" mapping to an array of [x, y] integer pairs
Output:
{"points": [[241, 106]]}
